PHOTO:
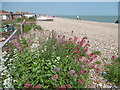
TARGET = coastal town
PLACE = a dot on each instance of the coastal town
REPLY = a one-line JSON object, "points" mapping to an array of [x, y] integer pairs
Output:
{"points": [[50, 49]]}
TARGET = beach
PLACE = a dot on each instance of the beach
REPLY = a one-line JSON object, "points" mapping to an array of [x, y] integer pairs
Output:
{"points": [[103, 37]]}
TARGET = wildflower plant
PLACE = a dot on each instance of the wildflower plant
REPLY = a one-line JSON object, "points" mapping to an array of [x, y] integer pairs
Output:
{"points": [[58, 62]]}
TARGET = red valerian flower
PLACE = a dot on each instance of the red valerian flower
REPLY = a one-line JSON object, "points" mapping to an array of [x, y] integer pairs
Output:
{"points": [[86, 61], [80, 44], [71, 71], [18, 44], [69, 86], [79, 72], [28, 84], [90, 59], [92, 66], [82, 80], [78, 51], [62, 87], [74, 48], [84, 37], [67, 47], [80, 57], [37, 86], [66, 41], [56, 39], [83, 66], [75, 38], [20, 49], [70, 39], [87, 45], [95, 56], [63, 36], [75, 75], [91, 54], [58, 35], [57, 69], [83, 71], [77, 60], [81, 83], [97, 70], [55, 77], [113, 57]]}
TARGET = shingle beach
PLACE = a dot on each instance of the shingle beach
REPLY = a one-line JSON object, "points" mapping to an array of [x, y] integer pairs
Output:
{"points": [[102, 36]]}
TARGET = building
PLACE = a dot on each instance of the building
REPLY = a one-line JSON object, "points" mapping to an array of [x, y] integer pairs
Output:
{"points": [[16, 15], [27, 14], [4, 15]]}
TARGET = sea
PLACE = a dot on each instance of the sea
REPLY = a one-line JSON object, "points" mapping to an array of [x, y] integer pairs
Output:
{"points": [[105, 19]]}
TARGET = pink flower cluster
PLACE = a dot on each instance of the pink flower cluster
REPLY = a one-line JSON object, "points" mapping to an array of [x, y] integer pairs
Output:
{"points": [[28, 85], [71, 71], [55, 77]]}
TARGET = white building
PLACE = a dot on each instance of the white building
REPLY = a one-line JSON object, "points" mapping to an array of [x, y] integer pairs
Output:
{"points": [[29, 15], [4, 15]]}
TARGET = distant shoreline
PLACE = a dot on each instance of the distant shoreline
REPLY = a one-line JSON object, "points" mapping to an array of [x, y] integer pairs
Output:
{"points": [[104, 19]]}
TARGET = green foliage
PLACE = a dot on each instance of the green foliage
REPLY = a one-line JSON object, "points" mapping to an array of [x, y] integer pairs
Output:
{"points": [[38, 67], [97, 52], [27, 28], [98, 62], [113, 71], [31, 19], [38, 27], [19, 20]]}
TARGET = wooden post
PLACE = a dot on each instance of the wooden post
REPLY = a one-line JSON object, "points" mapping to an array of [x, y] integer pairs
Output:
{"points": [[22, 26]]}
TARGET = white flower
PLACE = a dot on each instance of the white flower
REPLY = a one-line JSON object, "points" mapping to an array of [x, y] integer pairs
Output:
{"points": [[8, 55], [45, 49], [47, 39], [53, 65], [11, 59], [14, 80], [2, 74], [66, 56], [57, 62], [42, 50], [58, 58], [2, 67], [4, 53], [8, 83], [8, 75]]}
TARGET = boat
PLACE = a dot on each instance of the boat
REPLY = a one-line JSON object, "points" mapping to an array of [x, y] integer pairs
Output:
{"points": [[45, 18]]}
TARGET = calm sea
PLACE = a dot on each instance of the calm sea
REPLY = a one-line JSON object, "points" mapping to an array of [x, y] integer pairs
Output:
{"points": [[106, 19]]}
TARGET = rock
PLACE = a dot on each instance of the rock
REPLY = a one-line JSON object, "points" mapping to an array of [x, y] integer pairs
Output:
{"points": [[104, 73]]}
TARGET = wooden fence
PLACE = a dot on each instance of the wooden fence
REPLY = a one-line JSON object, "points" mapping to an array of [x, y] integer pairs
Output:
{"points": [[2, 44]]}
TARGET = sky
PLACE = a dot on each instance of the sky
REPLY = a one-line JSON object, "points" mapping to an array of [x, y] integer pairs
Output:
{"points": [[64, 8]]}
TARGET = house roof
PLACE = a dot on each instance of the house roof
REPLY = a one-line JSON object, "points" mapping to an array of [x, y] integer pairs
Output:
{"points": [[4, 12], [22, 12]]}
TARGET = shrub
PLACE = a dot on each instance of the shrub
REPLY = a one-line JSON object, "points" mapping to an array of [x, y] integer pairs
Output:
{"points": [[113, 71], [19, 20], [31, 19], [57, 62], [27, 28]]}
